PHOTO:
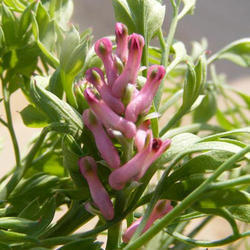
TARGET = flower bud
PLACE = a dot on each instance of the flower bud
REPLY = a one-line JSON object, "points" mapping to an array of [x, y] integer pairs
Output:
{"points": [[121, 34], [103, 143], [142, 101], [108, 117], [161, 208], [99, 195], [129, 74], [81, 102], [95, 76], [103, 48]]}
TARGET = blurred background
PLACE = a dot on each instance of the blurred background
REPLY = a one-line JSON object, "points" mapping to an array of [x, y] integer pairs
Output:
{"points": [[221, 22]]}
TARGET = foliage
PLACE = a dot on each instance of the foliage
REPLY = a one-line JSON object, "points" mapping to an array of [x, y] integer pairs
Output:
{"points": [[204, 173]]}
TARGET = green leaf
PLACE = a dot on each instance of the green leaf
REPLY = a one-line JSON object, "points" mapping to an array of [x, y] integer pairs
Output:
{"points": [[143, 17], [71, 155], [206, 110], [206, 162], [241, 213], [31, 211], [188, 8], [55, 84], [35, 29], [180, 143], [62, 11], [16, 224], [123, 14], [39, 185], [76, 60], [56, 109], [237, 52], [223, 197], [9, 26], [33, 117], [223, 121], [90, 244], [71, 41], [25, 19]]}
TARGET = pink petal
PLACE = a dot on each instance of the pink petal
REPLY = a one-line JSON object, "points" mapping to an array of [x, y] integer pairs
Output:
{"points": [[129, 74], [103, 143], [108, 117], [143, 100], [99, 195]]}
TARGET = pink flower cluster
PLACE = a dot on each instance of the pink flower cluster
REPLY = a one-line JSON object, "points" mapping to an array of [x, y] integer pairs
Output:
{"points": [[116, 104]]}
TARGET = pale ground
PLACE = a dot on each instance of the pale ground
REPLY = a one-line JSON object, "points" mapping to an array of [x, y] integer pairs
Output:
{"points": [[215, 230]]}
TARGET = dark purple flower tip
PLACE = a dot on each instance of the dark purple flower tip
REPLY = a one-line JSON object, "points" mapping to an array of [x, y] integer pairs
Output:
{"points": [[103, 47], [136, 42], [120, 30]]}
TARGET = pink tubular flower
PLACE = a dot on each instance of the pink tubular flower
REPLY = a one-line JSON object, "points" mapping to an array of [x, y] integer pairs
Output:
{"points": [[141, 135], [136, 167], [108, 117], [129, 74], [99, 195], [103, 48], [161, 208], [121, 34], [96, 77], [142, 101], [103, 143]]}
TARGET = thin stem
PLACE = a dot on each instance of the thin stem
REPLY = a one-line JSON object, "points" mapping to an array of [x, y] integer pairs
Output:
{"points": [[160, 224], [19, 172], [216, 243], [6, 96], [243, 180], [165, 46], [4, 122]]}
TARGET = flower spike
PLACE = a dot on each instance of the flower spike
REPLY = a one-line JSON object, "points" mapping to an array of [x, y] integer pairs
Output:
{"points": [[129, 74], [142, 101], [108, 117], [99, 195], [103, 48], [103, 143], [96, 77], [121, 33]]}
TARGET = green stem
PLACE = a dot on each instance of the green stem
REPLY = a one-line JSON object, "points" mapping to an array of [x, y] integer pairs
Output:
{"points": [[165, 46], [243, 180], [114, 232], [199, 243], [6, 96], [160, 224]]}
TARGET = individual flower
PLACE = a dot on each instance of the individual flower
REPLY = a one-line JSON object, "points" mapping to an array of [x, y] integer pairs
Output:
{"points": [[103, 48], [161, 208], [98, 193], [96, 77], [141, 103], [108, 117], [136, 167], [121, 34], [103, 143], [130, 72]]}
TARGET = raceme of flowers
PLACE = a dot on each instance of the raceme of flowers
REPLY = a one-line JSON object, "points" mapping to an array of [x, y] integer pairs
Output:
{"points": [[117, 106]]}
